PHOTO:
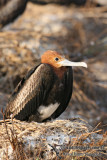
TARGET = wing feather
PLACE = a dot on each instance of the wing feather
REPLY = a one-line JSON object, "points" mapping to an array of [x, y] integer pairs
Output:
{"points": [[31, 92]]}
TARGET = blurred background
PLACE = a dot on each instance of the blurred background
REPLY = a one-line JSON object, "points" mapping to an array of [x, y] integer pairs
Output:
{"points": [[77, 29]]}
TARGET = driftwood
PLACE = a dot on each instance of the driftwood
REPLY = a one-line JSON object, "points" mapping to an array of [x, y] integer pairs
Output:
{"points": [[10, 9], [78, 2]]}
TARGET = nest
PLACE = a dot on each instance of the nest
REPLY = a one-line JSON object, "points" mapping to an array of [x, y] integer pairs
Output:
{"points": [[59, 139]]}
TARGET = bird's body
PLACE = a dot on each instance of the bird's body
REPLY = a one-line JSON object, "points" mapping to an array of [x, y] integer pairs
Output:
{"points": [[44, 92]]}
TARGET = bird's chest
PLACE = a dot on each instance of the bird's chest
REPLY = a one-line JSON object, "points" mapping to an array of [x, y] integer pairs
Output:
{"points": [[53, 100], [56, 93], [46, 111]]}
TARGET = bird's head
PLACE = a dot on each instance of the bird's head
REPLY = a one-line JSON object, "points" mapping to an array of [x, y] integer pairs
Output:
{"points": [[56, 60]]}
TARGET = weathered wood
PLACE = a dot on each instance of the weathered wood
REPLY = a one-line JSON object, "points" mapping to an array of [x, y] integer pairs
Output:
{"points": [[10, 9], [79, 2]]}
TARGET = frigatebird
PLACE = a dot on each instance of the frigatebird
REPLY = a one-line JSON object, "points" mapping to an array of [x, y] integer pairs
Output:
{"points": [[44, 93]]}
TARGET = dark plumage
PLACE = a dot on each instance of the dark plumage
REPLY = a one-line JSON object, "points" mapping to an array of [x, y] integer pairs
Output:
{"points": [[45, 91]]}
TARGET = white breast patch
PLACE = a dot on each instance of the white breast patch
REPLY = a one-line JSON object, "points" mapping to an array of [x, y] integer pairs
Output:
{"points": [[47, 111]]}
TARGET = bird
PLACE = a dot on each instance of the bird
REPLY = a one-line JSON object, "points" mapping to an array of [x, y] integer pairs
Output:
{"points": [[44, 93]]}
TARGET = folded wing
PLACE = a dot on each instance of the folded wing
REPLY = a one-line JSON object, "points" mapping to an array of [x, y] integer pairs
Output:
{"points": [[30, 93]]}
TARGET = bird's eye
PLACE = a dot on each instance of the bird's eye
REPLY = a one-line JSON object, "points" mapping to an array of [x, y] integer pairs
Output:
{"points": [[56, 59]]}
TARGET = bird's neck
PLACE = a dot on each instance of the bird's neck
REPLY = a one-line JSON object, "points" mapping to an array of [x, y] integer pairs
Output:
{"points": [[60, 71]]}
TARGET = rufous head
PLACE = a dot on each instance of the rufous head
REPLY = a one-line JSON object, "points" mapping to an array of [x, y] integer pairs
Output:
{"points": [[56, 60]]}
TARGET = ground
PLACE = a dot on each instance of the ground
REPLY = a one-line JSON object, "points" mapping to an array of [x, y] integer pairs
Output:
{"points": [[58, 139]]}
